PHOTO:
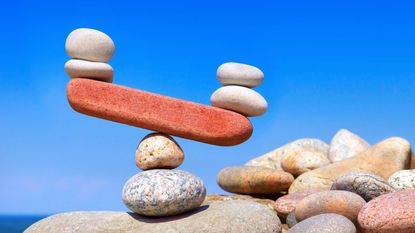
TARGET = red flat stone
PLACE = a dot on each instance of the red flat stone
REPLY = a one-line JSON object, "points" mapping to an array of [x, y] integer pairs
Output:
{"points": [[158, 113]]}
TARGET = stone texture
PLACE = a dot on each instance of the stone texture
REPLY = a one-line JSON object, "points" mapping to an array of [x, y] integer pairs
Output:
{"points": [[263, 200], [273, 159], [163, 192], [344, 203], [346, 144], [89, 44], [217, 217], [383, 160], [291, 220], [158, 113], [158, 150], [239, 99], [304, 161], [366, 185], [87, 69], [404, 179], [232, 73], [253, 180], [390, 213], [324, 223], [286, 204]]}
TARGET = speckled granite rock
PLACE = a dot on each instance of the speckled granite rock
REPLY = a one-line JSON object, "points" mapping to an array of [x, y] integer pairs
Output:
{"points": [[264, 200], [158, 150], [324, 223], [404, 179], [344, 203], [366, 185], [217, 217], [383, 160], [286, 204], [273, 159], [346, 144], [253, 180], [390, 213], [163, 192]]}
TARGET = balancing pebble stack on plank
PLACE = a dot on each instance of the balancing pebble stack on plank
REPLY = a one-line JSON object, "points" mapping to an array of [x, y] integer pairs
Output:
{"points": [[159, 190]]}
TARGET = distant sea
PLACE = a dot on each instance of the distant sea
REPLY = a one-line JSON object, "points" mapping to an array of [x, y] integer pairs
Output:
{"points": [[17, 223]]}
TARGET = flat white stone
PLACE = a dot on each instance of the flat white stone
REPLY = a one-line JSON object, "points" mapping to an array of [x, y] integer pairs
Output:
{"points": [[239, 99], [89, 44], [232, 73], [90, 70]]}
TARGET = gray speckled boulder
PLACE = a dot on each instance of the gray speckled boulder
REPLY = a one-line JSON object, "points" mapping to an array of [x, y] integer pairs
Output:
{"points": [[404, 179], [366, 185], [163, 192], [324, 223], [218, 217]]}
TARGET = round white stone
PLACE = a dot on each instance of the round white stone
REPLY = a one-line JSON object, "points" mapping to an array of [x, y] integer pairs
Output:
{"points": [[232, 73], [403, 179], [91, 70], [239, 99], [89, 44]]}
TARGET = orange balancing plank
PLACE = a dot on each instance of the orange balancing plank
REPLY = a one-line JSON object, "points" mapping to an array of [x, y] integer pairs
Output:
{"points": [[158, 113]]}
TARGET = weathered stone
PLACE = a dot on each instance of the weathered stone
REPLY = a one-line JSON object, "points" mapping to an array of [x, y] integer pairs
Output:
{"points": [[232, 73], [291, 220], [273, 159], [324, 223], [87, 69], [264, 200], [158, 150], [253, 180], [299, 163], [286, 204], [404, 179], [239, 99], [366, 185], [346, 144], [163, 192], [383, 160], [344, 203], [158, 113], [390, 213], [217, 217]]}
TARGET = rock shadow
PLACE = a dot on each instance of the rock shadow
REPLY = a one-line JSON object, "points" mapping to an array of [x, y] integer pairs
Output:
{"points": [[147, 219]]}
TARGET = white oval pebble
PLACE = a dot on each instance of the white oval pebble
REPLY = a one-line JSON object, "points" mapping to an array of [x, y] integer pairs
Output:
{"points": [[239, 99], [89, 44], [232, 73], [91, 70], [403, 179]]}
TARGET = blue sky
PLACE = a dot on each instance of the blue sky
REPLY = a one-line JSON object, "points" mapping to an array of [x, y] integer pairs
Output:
{"points": [[327, 64]]}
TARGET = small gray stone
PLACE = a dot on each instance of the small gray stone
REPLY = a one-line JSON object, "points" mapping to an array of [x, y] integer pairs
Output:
{"points": [[404, 179], [163, 192], [324, 223], [239, 99], [87, 69], [218, 217], [232, 73], [291, 219], [89, 44], [366, 185]]}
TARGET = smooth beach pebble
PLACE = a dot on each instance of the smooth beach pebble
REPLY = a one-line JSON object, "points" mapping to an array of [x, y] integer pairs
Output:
{"points": [[390, 213], [346, 144], [344, 203], [163, 192], [366, 185], [89, 44], [232, 73], [158, 150], [286, 204], [299, 163], [404, 179], [253, 180], [239, 99], [324, 223], [92, 70]]}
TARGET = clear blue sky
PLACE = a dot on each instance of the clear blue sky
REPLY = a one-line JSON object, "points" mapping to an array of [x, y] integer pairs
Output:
{"points": [[327, 64]]}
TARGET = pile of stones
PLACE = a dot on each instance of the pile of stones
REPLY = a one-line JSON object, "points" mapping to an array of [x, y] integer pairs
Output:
{"points": [[347, 186]]}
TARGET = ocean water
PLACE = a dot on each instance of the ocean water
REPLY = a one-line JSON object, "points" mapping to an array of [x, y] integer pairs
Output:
{"points": [[17, 223]]}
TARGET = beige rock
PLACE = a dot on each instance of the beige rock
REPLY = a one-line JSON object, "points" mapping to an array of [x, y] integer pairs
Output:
{"points": [[89, 44], [346, 144], [158, 150], [413, 162], [87, 69], [232, 73], [299, 163], [239, 99], [383, 160], [273, 159], [264, 200]]}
